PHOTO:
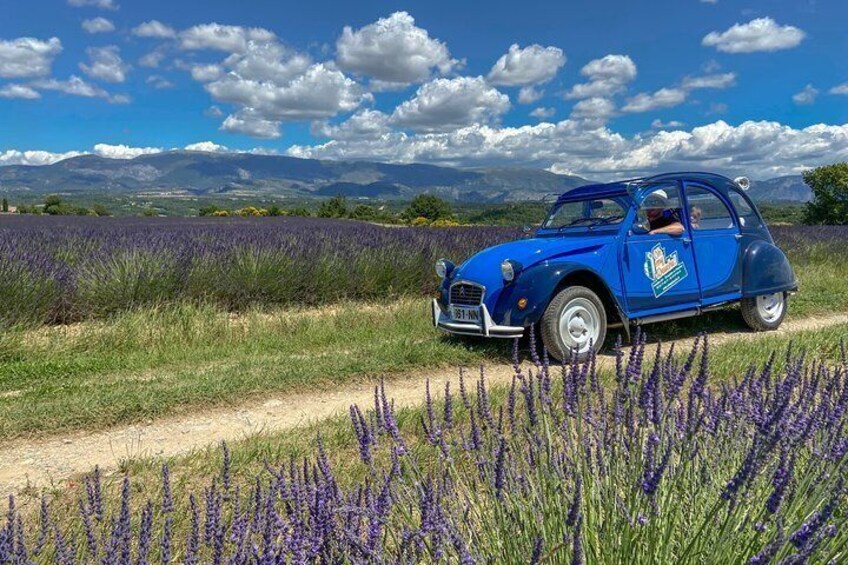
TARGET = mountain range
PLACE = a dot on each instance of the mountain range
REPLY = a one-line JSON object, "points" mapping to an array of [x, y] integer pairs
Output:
{"points": [[245, 174]]}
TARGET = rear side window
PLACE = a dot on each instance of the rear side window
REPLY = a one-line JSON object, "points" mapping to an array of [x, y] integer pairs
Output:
{"points": [[747, 215], [707, 211]]}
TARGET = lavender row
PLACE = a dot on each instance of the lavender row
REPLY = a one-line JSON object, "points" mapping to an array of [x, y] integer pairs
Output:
{"points": [[64, 269], [657, 466]]}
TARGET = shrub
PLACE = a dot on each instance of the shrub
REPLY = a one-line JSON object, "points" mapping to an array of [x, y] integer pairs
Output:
{"points": [[428, 206], [335, 207], [444, 223], [221, 213], [420, 221]]}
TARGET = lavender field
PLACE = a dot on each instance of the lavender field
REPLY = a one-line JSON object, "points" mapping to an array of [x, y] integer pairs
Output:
{"points": [[58, 270], [660, 465]]}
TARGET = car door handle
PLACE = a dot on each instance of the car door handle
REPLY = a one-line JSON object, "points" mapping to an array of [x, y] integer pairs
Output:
{"points": [[738, 236], [687, 240]]}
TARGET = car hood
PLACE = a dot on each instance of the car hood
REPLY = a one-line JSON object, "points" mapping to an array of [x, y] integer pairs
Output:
{"points": [[485, 266]]}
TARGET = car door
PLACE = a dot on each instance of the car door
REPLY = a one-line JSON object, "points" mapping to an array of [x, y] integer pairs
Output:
{"points": [[715, 241], [659, 269]]}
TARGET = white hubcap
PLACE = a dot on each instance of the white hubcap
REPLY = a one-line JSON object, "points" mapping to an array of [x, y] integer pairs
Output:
{"points": [[770, 306], [579, 325]]}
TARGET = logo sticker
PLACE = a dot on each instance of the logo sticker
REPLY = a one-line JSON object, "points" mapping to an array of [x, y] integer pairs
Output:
{"points": [[664, 271]]}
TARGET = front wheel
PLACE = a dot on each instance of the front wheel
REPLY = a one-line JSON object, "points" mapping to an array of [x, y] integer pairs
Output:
{"points": [[765, 312], [574, 322]]}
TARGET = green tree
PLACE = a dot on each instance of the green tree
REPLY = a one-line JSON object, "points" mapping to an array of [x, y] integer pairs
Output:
{"points": [[53, 205], [363, 212], [298, 212], [5, 204], [830, 195], [100, 210], [274, 210], [428, 206], [149, 212], [208, 210], [335, 207]]}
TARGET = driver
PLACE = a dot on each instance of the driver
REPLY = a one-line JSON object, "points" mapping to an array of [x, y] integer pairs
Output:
{"points": [[661, 218]]}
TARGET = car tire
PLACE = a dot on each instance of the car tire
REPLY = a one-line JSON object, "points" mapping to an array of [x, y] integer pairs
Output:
{"points": [[574, 318], [765, 312]]}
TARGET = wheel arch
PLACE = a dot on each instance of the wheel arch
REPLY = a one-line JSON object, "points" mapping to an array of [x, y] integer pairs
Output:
{"points": [[594, 282]]}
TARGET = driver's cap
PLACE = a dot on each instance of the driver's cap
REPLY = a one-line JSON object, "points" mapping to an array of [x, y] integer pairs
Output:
{"points": [[657, 199]]}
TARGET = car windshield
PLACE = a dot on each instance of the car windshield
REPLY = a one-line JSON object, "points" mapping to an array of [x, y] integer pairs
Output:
{"points": [[585, 213]]}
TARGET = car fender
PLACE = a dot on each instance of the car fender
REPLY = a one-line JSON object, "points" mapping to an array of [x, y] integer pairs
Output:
{"points": [[766, 270], [538, 284]]}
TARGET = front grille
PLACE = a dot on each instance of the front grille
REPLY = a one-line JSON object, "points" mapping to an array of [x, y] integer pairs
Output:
{"points": [[465, 294]]}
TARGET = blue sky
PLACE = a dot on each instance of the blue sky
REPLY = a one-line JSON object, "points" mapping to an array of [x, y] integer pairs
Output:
{"points": [[594, 88]]}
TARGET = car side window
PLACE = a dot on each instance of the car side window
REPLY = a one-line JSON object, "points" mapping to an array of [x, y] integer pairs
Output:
{"points": [[707, 211], [747, 215], [660, 208]]}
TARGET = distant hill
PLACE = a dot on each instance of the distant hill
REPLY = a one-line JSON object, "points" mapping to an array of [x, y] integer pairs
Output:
{"points": [[198, 173], [248, 175]]}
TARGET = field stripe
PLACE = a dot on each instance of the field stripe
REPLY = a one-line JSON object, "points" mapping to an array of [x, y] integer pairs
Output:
{"points": [[44, 462]]}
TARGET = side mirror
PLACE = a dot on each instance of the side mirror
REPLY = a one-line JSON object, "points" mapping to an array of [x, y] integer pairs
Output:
{"points": [[526, 229]]}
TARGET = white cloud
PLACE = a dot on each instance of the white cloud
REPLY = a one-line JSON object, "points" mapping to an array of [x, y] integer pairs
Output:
{"points": [[232, 39], [671, 124], [718, 80], [98, 25], [214, 112], [123, 151], [151, 60], [154, 28], [102, 4], [593, 112], [364, 124], [207, 147], [841, 89], [248, 122], [27, 56], [529, 95], [529, 65], [444, 104], [761, 34], [543, 113], [392, 50], [158, 82], [206, 73], [662, 98], [607, 76], [33, 158], [20, 91], [806, 96], [106, 64], [759, 149], [75, 86]]}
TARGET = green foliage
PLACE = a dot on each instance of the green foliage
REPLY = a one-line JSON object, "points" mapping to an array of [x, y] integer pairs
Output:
{"points": [[52, 200], [149, 212], [335, 207], [274, 210], [428, 206], [830, 195], [302, 212], [208, 210], [5, 204], [363, 212], [507, 214], [101, 210]]}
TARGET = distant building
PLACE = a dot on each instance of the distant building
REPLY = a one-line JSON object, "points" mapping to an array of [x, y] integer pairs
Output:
{"points": [[12, 210]]}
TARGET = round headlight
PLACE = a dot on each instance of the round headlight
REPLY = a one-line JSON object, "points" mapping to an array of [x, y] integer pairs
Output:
{"points": [[443, 268], [507, 270]]}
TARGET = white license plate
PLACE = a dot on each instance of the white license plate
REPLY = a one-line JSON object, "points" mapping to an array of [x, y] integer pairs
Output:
{"points": [[465, 313]]}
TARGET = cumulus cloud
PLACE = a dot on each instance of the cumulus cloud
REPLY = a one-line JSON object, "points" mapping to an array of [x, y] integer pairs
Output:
{"points": [[806, 96], [364, 124], [543, 113], [123, 151], [760, 149], [840, 89], [662, 98], [593, 112], [607, 76], [671, 124], [529, 95], [207, 147], [20, 91], [232, 39], [718, 80], [761, 34], [529, 65], [102, 4], [98, 25], [34, 158], [105, 64], [445, 104], [393, 51], [154, 28], [158, 82], [151, 60], [27, 56], [206, 73], [75, 86], [249, 122]]}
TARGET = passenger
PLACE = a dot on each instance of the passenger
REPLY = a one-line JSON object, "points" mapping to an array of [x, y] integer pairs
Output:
{"points": [[695, 216], [661, 218]]}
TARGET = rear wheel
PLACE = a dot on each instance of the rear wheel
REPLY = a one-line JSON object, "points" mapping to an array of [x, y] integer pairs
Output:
{"points": [[765, 312], [574, 322]]}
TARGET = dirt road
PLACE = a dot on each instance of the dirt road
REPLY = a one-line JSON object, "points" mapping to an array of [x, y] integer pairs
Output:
{"points": [[40, 463]]}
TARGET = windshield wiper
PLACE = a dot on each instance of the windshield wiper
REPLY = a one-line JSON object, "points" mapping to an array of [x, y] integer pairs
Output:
{"points": [[576, 222], [609, 219]]}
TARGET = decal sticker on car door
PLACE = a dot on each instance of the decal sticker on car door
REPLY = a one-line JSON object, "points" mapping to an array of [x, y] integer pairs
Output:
{"points": [[664, 271]]}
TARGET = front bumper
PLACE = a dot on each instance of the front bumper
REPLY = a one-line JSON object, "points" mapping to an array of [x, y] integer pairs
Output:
{"points": [[488, 328]]}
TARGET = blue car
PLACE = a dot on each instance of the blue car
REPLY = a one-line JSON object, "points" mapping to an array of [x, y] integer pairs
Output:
{"points": [[622, 254]]}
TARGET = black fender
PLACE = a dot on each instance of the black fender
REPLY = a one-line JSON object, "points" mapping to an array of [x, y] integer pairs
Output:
{"points": [[765, 269]]}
